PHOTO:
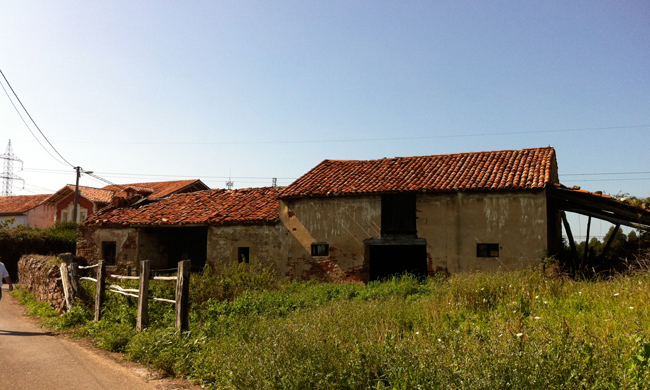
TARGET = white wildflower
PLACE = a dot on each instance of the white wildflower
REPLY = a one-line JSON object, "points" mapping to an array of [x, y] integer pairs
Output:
{"points": [[440, 341], [616, 294], [537, 318], [417, 332], [519, 334], [536, 296], [631, 307]]}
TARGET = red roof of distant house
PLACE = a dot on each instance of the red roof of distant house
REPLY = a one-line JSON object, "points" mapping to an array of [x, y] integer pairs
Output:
{"points": [[215, 207], [159, 189], [96, 195], [496, 170], [20, 203]]}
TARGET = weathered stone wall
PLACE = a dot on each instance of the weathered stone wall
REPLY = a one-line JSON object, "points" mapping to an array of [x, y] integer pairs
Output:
{"points": [[343, 223], [267, 244], [89, 245], [41, 276], [452, 224]]}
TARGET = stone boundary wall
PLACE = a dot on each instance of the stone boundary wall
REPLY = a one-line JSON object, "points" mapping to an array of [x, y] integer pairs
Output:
{"points": [[41, 276]]}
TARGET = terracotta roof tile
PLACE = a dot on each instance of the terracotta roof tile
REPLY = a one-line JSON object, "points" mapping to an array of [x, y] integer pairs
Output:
{"points": [[158, 189], [496, 170], [215, 207], [20, 203]]}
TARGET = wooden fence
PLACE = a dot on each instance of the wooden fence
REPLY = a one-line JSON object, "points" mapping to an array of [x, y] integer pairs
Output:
{"points": [[70, 278]]}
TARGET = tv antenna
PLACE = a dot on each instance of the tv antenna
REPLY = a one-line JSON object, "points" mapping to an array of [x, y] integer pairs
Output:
{"points": [[8, 176], [229, 183]]}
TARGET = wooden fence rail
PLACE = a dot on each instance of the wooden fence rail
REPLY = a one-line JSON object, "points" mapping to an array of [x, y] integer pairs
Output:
{"points": [[70, 277]]}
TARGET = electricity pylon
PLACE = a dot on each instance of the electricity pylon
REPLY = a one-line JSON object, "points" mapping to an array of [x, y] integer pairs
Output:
{"points": [[8, 176]]}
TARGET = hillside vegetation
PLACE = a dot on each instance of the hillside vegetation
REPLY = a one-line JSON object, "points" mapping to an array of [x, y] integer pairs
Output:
{"points": [[516, 330]]}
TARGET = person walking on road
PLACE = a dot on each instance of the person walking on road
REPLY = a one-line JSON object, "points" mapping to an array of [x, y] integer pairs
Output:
{"points": [[5, 275]]}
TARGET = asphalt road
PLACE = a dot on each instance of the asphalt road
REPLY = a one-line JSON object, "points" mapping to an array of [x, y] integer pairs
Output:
{"points": [[31, 358]]}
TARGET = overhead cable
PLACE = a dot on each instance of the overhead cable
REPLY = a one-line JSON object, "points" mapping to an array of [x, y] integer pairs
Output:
{"points": [[32, 119]]}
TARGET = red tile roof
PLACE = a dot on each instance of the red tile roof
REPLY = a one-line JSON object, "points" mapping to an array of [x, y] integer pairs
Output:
{"points": [[215, 207], [496, 170], [95, 195], [20, 203], [159, 189]]}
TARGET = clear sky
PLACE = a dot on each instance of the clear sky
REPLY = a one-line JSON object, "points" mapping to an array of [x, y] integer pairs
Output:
{"points": [[158, 90]]}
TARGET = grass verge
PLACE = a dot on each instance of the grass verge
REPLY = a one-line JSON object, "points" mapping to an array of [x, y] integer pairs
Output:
{"points": [[479, 331]]}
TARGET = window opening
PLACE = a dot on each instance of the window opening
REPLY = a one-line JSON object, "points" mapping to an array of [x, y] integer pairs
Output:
{"points": [[398, 214], [487, 250], [108, 252], [320, 249], [243, 254]]}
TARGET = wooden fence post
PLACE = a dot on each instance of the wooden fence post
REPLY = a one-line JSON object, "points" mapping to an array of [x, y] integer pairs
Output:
{"points": [[74, 277], [143, 296], [100, 293], [68, 291], [182, 296]]}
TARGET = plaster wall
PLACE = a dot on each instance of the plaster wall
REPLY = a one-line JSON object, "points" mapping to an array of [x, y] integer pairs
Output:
{"points": [[41, 216], [342, 222], [19, 219], [67, 205], [453, 224], [267, 243]]}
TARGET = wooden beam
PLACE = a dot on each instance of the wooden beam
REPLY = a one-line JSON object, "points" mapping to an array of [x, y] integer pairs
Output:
{"points": [[586, 254], [143, 297], [602, 215], [567, 229], [182, 296], [609, 242], [100, 292]]}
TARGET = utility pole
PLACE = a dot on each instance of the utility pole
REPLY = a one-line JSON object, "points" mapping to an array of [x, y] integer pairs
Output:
{"points": [[76, 194]]}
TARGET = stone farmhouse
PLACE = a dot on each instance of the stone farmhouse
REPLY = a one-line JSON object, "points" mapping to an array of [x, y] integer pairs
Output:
{"points": [[350, 220], [205, 226]]}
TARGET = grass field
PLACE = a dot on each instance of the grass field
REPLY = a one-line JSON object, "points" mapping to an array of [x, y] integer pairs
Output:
{"points": [[515, 330]]}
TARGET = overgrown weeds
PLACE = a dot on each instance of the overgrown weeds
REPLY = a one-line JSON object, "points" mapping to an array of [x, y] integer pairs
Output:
{"points": [[516, 330]]}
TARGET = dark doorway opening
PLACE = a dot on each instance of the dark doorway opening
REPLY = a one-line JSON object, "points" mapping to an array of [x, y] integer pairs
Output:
{"points": [[243, 254], [187, 243], [386, 261]]}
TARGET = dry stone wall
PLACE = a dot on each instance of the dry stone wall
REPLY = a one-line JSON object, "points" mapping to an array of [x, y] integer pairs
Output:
{"points": [[41, 276]]}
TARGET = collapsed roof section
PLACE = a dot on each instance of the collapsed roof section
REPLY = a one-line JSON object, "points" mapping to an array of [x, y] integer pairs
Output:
{"points": [[210, 207], [599, 206]]}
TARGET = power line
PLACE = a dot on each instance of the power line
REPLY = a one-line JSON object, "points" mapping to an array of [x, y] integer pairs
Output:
{"points": [[32, 119], [158, 175], [26, 125], [366, 139], [602, 173]]}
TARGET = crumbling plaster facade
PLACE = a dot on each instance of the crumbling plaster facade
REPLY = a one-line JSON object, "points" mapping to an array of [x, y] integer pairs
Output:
{"points": [[452, 223]]}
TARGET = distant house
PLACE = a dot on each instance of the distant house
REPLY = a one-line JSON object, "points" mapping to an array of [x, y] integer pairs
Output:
{"points": [[91, 199], [206, 226], [30, 210]]}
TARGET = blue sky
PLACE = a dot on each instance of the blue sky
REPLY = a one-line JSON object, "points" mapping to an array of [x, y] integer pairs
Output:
{"points": [[138, 90]]}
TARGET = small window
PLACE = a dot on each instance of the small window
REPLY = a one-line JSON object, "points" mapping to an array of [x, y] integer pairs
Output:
{"points": [[64, 216], [320, 249], [487, 250], [83, 215], [108, 252], [243, 254]]}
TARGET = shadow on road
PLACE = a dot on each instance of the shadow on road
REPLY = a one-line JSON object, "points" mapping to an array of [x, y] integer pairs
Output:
{"points": [[12, 333]]}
